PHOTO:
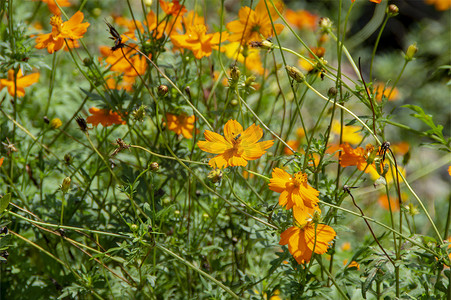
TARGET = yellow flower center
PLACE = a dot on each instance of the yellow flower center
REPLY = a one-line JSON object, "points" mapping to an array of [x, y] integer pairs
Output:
{"points": [[56, 23], [299, 179], [196, 32]]}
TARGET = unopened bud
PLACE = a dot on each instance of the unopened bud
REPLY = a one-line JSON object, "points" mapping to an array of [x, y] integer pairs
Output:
{"points": [[138, 114], [235, 73], [234, 102], [65, 186], [332, 92], [162, 90], [215, 175], [265, 44], [87, 61], [410, 53], [134, 227], [392, 10], [177, 213], [56, 123], [295, 73], [148, 3], [412, 209], [154, 167], [325, 24], [68, 159]]}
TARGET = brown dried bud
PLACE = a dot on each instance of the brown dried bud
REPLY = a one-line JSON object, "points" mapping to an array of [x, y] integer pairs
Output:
{"points": [[82, 124]]}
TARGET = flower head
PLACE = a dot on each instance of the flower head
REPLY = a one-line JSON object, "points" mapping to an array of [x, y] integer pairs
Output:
{"points": [[54, 8], [173, 8], [303, 241], [197, 40], [385, 91], [357, 157], [302, 19], [104, 116], [294, 189], [252, 60], [73, 30], [253, 24], [440, 5], [21, 82], [1, 161], [351, 134], [236, 147], [181, 124]]}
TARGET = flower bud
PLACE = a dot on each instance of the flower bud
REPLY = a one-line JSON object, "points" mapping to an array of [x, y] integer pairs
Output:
{"points": [[295, 73], [56, 123], [325, 24], [65, 186], [410, 53], [412, 209], [392, 10], [46, 120], [134, 227], [332, 92], [177, 213], [87, 61], [68, 159], [148, 3], [138, 114], [162, 90], [215, 175], [235, 73], [234, 102], [154, 166]]}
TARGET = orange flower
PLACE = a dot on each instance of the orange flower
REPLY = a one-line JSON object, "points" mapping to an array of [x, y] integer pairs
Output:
{"points": [[449, 170], [302, 19], [197, 40], [236, 147], [293, 144], [303, 241], [104, 116], [346, 246], [352, 264], [254, 24], [357, 157], [384, 91], [73, 29], [383, 201], [294, 190], [400, 148], [1, 161], [54, 8], [21, 81], [375, 1], [173, 8], [181, 124], [121, 65], [440, 4]]}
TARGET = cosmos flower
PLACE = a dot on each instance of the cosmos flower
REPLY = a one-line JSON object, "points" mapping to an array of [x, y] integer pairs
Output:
{"points": [[294, 189], [21, 81], [73, 29], [253, 24], [54, 8], [236, 147], [197, 40], [181, 124], [303, 241], [173, 8], [302, 19], [104, 116]]}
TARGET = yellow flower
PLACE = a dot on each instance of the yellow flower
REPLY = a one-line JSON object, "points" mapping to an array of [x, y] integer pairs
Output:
{"points": [[252, 25], [303, 241], [73, 29], [252, 61], [294, 189], [104, 116], [56, 123], [351, 134], [181, 124], [21, 82], [346, 246], [236, 147]]}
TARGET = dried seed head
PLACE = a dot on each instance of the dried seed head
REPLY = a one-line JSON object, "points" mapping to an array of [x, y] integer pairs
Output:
{"points": [[82, 124]]}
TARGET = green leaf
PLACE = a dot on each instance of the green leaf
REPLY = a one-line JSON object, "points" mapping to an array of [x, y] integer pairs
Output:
{"points": [[367, 284], [4, 202]]}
